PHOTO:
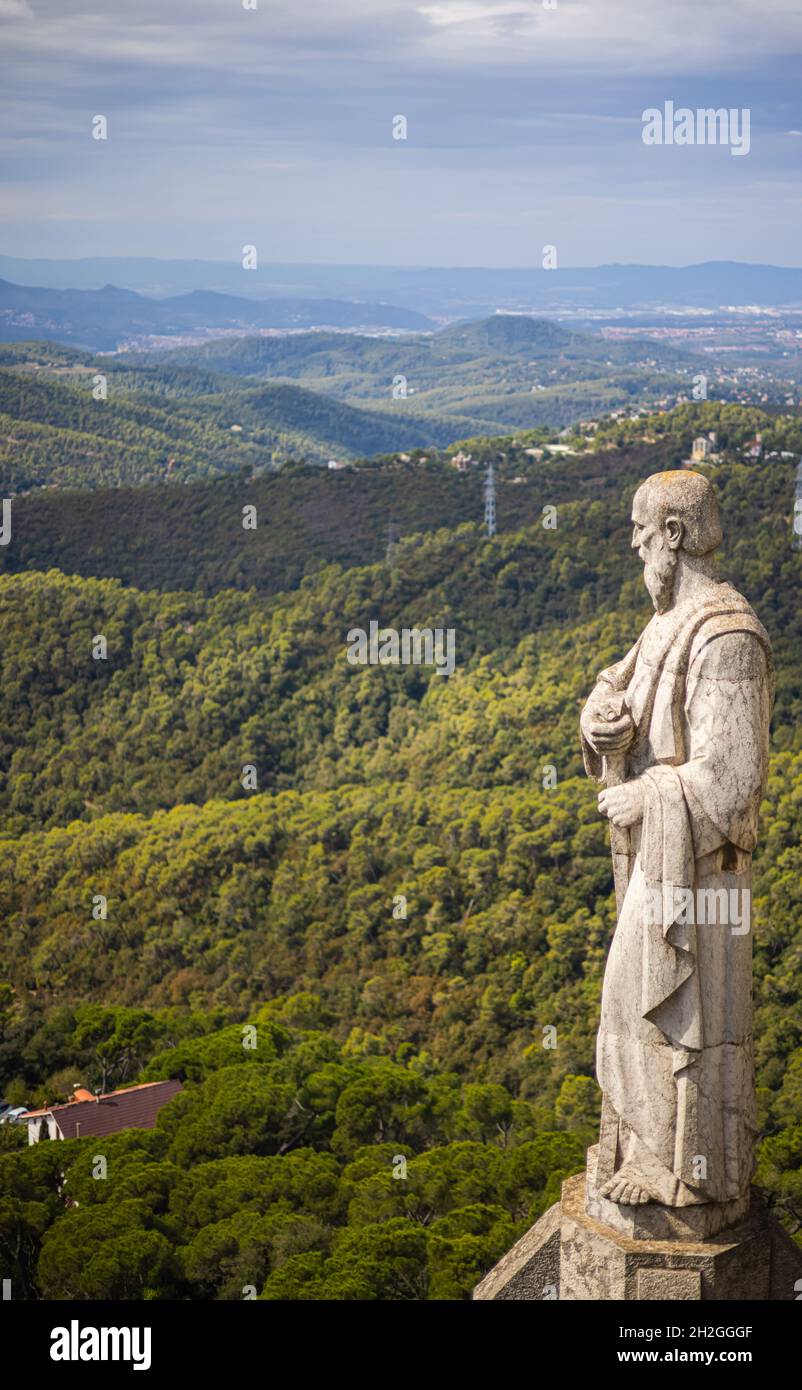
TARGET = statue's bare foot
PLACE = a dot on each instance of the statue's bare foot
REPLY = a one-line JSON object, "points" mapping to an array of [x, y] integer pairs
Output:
{"points": [[627, 1188]]}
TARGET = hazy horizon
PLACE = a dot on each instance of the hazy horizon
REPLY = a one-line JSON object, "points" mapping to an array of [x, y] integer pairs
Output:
{"points": [[409, 265]]}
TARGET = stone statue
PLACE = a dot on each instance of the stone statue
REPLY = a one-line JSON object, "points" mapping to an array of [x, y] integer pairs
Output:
{"points": [[678, 732]]}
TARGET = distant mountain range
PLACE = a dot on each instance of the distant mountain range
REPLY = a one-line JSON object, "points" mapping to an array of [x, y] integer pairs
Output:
{"points": [[440, 291], [101, 320]]}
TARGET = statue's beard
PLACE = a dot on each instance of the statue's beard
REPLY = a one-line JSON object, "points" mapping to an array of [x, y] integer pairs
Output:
{"points": [[659, 578]]}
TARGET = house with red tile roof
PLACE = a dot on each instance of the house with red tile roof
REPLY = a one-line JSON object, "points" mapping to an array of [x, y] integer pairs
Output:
{"points": [[135, 1107]]}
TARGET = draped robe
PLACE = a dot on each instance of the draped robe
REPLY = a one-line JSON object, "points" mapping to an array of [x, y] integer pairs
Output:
{"points": [[674, 1048]]}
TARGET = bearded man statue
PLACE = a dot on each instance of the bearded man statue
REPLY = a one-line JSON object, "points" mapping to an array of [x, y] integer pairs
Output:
{"points": [[678, 731]]}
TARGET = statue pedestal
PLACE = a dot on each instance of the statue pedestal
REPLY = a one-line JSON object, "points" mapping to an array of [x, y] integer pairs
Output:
{"points": [[653, 1221], [571, 1254]]}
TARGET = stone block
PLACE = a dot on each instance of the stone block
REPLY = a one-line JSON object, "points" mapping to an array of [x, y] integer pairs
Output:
{"points": [[531, 1269], [571, 1251], [662, 1284]]}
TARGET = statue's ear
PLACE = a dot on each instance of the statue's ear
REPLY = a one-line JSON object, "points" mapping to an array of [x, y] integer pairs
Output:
{"points": [[675, 530]]}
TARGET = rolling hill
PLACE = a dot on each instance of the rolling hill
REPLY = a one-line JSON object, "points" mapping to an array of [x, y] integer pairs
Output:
{"points": [[255, 403], [132, 769], [191, 537], [177, 425], [490, 358], [505, 372]]}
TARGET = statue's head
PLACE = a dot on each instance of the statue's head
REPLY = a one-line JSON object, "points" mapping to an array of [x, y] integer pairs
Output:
{"points": [[675, 517]]}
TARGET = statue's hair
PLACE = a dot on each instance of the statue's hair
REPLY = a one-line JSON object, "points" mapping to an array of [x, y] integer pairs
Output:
{"points": [[690, 498]]}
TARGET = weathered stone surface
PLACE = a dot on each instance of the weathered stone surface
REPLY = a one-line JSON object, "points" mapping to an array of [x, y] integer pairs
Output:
{"points": [[653, 1221], [659, 1284], [735, 1264], [531, 1269], [752, 1261]]}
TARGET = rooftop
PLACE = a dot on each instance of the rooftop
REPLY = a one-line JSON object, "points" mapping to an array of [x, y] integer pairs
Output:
{"points": [[134, 1107]]}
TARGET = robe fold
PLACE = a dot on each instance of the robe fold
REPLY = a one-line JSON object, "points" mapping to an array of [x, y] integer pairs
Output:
{"points": [[674, 1049]]}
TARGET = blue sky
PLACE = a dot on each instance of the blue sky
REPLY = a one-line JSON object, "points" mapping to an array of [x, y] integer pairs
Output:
{"points": [[274, 127]]}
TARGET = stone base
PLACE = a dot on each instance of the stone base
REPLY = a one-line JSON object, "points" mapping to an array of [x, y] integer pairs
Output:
{"points": [[653, 1221], [571, 1255]]}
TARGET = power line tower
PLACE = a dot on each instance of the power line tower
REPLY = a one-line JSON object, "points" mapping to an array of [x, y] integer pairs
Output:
{"points": [[393, 535], [798, 509], [490, 500]]}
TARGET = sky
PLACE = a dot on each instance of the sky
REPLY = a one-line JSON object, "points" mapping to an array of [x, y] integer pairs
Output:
{"points": [[273, 127]]}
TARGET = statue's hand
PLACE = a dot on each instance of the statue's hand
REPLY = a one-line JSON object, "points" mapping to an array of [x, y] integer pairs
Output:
{"points": [[605, 730], [623, 805]]}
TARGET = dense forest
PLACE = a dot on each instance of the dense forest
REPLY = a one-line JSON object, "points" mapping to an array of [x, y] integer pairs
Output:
{"points": [[290, 1168], [175, 425], [407, 894], [298, 520], [508, 369], [68, 419], [192, 537]]}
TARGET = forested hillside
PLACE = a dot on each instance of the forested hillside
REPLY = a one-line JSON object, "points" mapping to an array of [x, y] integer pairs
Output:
{"points": [[295, 1168], [473, 353], [412, 896], [193, 537], [157, 426], [68, 419], [504, 372]]}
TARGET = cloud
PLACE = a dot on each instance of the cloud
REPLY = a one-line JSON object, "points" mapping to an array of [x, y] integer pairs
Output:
{"points": [[605, 35], [290, 35], [283, 115], [472, 12]]}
